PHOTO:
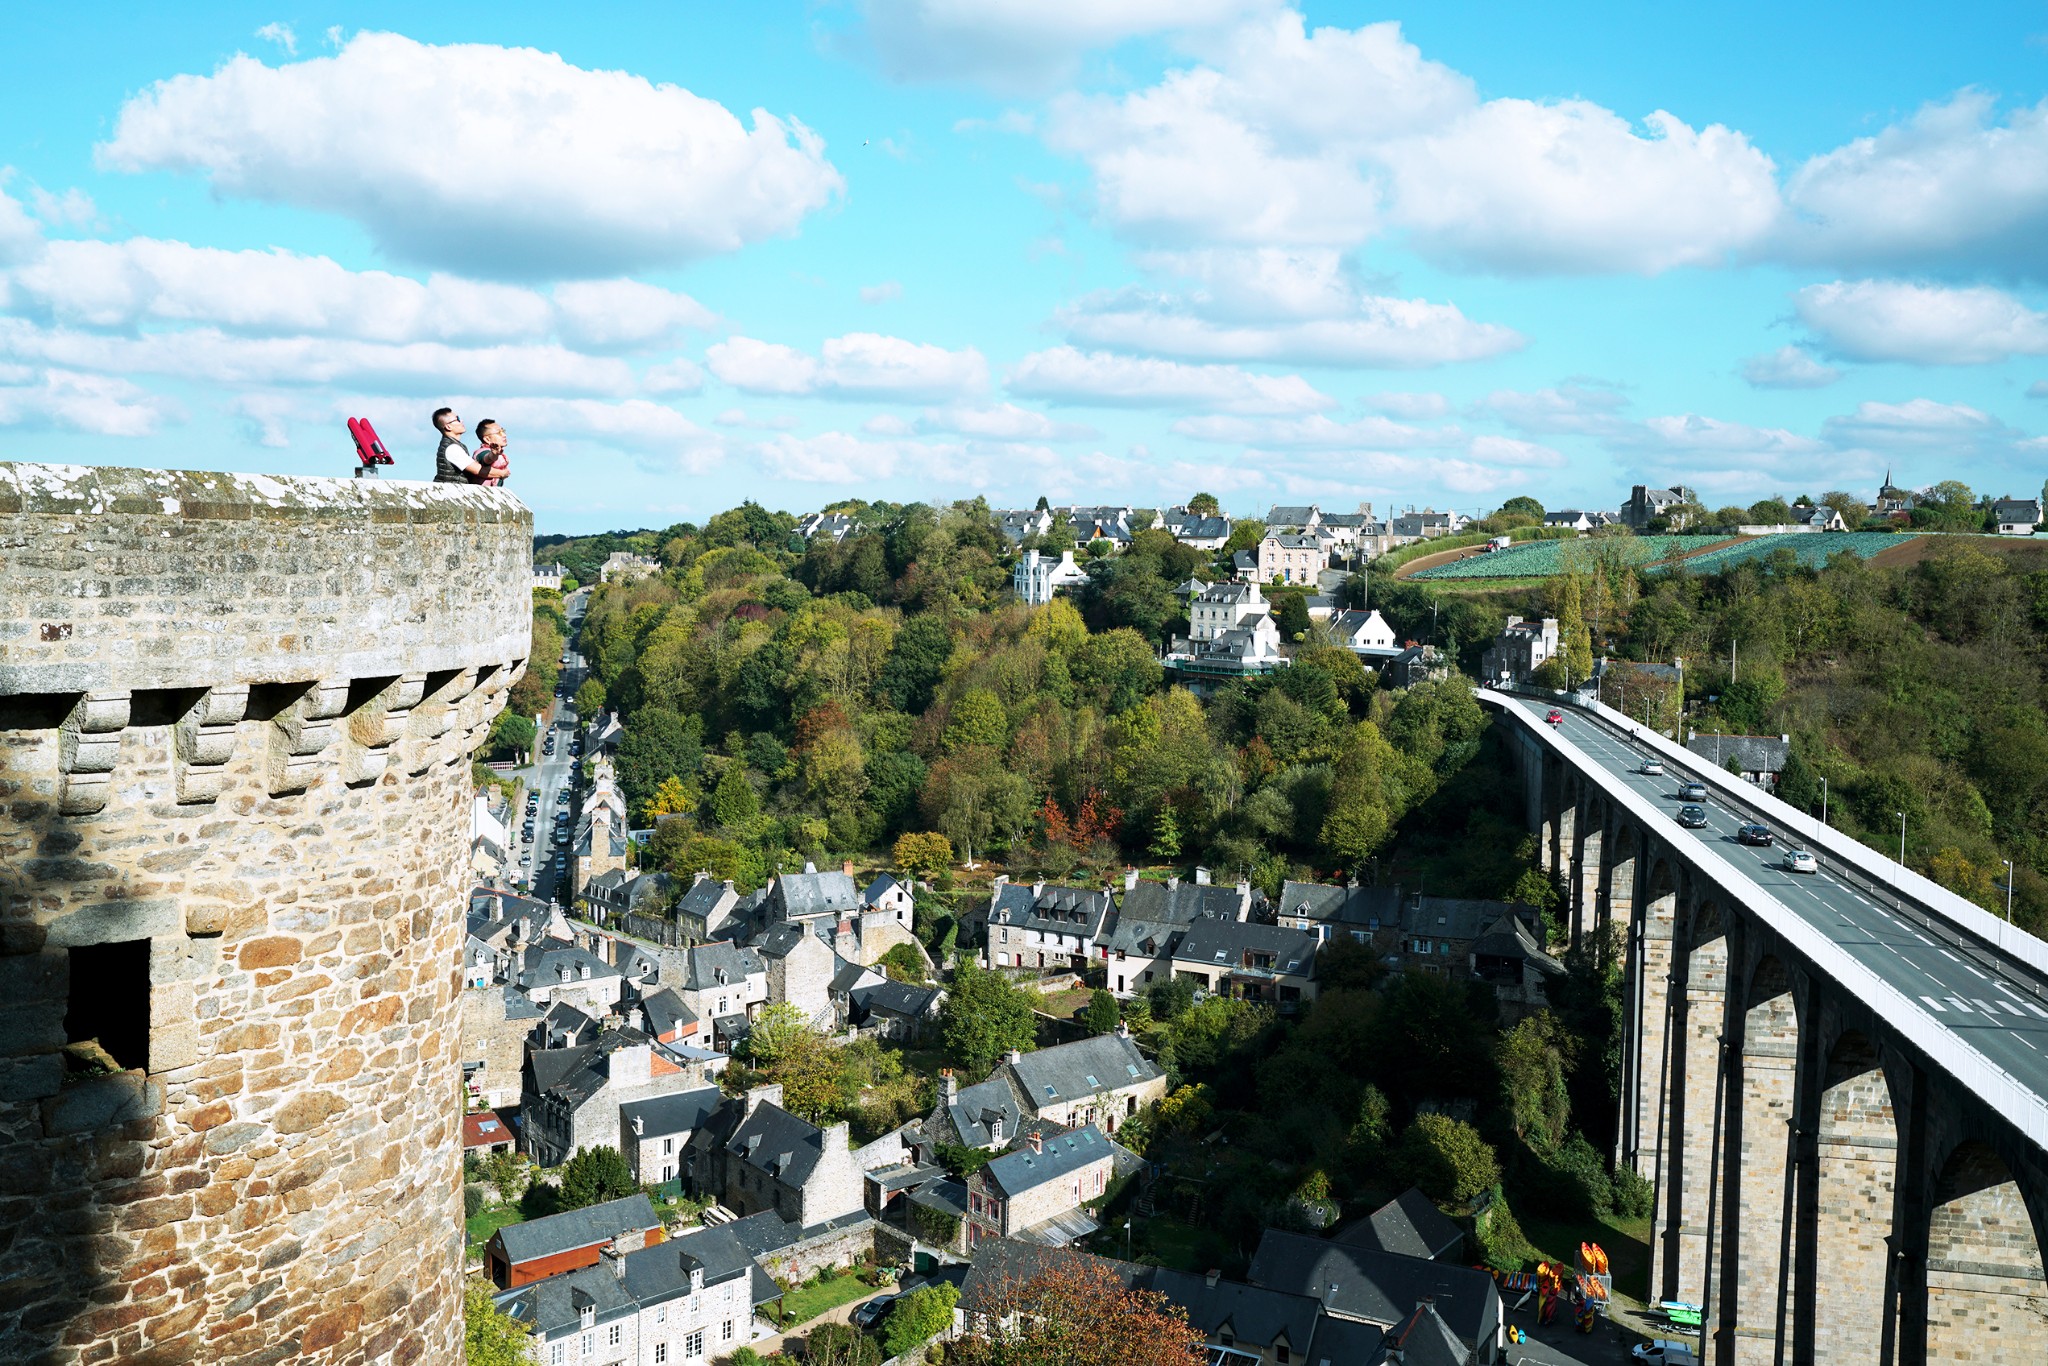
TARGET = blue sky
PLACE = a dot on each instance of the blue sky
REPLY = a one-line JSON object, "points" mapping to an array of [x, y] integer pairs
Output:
{"points": [[1102, 250]]}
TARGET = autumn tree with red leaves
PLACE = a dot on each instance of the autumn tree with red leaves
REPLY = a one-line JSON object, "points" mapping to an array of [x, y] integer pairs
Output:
{"points": [[1063, 1308]]}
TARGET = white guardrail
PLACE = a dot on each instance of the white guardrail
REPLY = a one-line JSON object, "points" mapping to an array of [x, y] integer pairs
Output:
{"points": [[2020, 1102]]}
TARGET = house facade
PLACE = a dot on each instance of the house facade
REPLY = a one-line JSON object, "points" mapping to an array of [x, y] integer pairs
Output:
{"points": [[754, 1156], [1034, 1191], [1038, 576], [1036, 925], [1286, 557], [1521, 648]]}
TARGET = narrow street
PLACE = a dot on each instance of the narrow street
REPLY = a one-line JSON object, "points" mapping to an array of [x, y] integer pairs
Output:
{"points": [[551, 779]]}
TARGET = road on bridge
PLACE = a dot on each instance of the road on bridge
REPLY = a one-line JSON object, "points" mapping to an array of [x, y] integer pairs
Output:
{"points": [[1997, 1011]]}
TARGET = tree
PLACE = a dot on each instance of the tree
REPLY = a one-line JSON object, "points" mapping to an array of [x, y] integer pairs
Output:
{"points": [[1102, 1013], [1522, 505], [491, 1337], [984, 1018], [595, 1175], [1061, 1308], [1290, 614], [671, 799], [733, 803], [915, 663], [590, 698], [903, 963], [1166, 838], [1447, 1158], [1575, 641], [1359, 818], [919, 1317], [925, 854], [797, 1056], [511, 736], [840, 1344], [977, 720], [658, 744], [1204, 505]]}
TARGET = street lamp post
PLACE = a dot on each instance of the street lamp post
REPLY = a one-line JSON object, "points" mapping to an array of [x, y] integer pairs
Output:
{"points": [[1823, 801], [2008, 890], [1902, 841]]}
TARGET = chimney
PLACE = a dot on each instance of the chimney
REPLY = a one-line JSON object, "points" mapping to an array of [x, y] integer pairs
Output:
{"points": [[1173, 882], [1201, 877], [1130, 878], [701, 875], [728, 884], [1123, 1030], [616, 1260], [1037, 1141], [770, 1094], [1211, 1276], [1038, 887], [810, 867], [999, 880], [847, 867], [1015, 1056], [949, 1086]]}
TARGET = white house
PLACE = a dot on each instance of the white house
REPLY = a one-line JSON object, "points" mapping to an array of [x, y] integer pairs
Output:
{"points": [[2017, 516], [1037, 577], [1221, 607], [1365, 633]]}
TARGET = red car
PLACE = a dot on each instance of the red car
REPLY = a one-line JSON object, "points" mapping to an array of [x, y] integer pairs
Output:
{"points": [[1556, 717]]}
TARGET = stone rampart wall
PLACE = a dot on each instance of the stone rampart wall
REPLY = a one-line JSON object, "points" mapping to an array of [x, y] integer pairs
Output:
{"points": [[235, 720]]}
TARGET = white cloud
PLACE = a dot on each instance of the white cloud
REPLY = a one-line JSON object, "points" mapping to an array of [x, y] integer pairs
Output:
{"points": [[1382, 332], [1317, 432], [889, 424], [1065, 375], [72, 209], [1891, 320], [1019, 45], [1951, 186], [607, 314], [2038, 389], [844, 459], [740, 417], [282, 35], [1263, 283], [1001, 422], [1409, 405], [562, 171], [1708, 436], [859, 364], [101, 405], [1573, 407], [679, 376], [415, 367], [1919, 424], [886, 292], [1384, 475], [647, 428], [1327, 137], [1788, 367], [20, 238], [1506, 450]]}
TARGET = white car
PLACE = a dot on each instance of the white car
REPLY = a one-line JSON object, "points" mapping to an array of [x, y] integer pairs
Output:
{"points": [[1650, 768], [1666, 1352], [1799, 861]]}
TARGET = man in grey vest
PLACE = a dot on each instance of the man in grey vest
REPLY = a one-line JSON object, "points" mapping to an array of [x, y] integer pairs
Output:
{"points": [[452, 461]]}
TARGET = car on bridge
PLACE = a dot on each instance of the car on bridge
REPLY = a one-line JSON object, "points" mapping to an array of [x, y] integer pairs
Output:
{"points": [[1556, 717], [1692, 817], [1752, 833], [1800, 861], [1650, 768], [1693, 792]]}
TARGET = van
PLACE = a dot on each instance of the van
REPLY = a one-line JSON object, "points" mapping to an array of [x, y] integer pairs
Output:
{"points": [[1665, 1352]]}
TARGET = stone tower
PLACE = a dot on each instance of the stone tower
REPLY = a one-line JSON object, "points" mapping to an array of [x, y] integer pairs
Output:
{"points": [[236, 714]]}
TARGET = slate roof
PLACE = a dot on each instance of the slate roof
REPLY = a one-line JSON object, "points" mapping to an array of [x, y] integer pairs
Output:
{"points": [[1163, 905], [676, 1113], [666, 1012], [555, 1305], [576, 1228], [1224, 943], [1198, 528], [1754, 753], [1509, 937], [1379, 1287], [1049, 909], [778, 940], [1440, 917], [1289, 542], [974, 1106], [574, 1073], [1282, 515], [774, 1141], [904, 1000], [812, 893], [1249, 1313], [1345, 1342], [542, 964], [1360, 520], [1408, 1224], [703, 897], [2017, 509], [707, 959], [1073, 1071], [1426, 1340], [879, 888]]}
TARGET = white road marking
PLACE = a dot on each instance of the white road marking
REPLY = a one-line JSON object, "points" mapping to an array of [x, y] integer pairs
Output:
{"points": [[1960, 1006], [1936, 1004], [2009, 1008]]}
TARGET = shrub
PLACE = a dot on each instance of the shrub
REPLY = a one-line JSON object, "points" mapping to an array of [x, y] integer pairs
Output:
{"points": [[917, 1317], [472, 1201]]}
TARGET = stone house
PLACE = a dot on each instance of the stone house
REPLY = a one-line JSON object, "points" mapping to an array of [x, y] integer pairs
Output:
{"points": [[800, 968], [1384, 1288], [1282, 517], [706, 908], [812, 896], [1521, 648], [1101, 1081], [655, 1133], [1246, 1325], [1136, 947], [1091, 524], [753, 1156], [1040, 926], [1036, 1191], [1758, 758], [619, 892], [689, 1300], [889, 896], [1248, 961], [901, 1012], [1436, 934], [570, 1096], [1646, 505], [1021, 524], [520, 1254], [987, 1115], [571, 975], [1356, 912], [624, 566], [1510, 958], [724, 986], [484, 1132], [599, 847], [1294, 559], [496, 1020], [1038, 576]]}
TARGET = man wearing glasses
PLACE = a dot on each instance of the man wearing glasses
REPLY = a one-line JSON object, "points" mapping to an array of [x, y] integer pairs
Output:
{"points": [[452, 462]]}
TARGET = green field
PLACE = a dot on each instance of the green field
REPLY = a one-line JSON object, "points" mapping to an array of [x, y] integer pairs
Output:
{"points": [[1547, 559], [487, 1222], [1809, 550]]}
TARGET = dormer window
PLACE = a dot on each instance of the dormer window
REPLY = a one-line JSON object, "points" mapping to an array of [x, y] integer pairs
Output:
{"points": [[995, 1129]]}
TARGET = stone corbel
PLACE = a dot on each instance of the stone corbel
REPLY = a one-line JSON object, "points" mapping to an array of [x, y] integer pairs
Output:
{"points": [[442, 716], [301, 732], [89, 742], [377, 727], [205, 742]]}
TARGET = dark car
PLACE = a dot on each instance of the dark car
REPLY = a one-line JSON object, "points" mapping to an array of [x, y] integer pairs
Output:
{"points": [[870, 1315], [1753, 834], [1693, 792], [1692, 817]]}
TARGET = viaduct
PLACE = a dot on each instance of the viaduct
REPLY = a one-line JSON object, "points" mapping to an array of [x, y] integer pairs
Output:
{"points": [[1836, 1082], [236, 715]]}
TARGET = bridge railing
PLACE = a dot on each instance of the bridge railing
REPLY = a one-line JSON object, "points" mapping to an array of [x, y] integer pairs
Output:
{"points": [[1880, 874], [2023, 1102]]}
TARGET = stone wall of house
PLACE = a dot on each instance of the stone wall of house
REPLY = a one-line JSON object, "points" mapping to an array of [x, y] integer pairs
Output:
{"points": [[838, 1248], [1053, 1198], [236, 714], [494, 1040]]}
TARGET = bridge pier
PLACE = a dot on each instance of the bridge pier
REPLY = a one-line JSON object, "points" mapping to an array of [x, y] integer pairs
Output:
{"points": [[1683, 1214]]}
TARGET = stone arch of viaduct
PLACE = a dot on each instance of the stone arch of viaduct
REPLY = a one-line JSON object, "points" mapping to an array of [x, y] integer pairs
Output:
{"points": [[1825, 1191]]}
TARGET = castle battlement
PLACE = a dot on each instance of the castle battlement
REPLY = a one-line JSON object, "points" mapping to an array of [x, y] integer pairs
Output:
{"points": [[235, 718]]}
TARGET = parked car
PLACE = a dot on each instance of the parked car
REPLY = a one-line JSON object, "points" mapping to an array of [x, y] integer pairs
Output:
{"points": [[1692, 817], [1753, 833], [1800, 861], [1556, 717], [1693, 792], [1665, 1353], [1650, 768], [870, 1315]]}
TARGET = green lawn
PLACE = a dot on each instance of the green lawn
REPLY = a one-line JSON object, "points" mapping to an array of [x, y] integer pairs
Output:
{"points": [[1183, 1247], [493, 1218], [1625, 1241], [808, 1301]]}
